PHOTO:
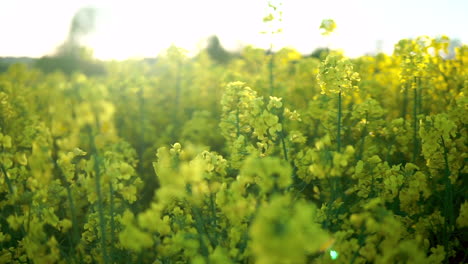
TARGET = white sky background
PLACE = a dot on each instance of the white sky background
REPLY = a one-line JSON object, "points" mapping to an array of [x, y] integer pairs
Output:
{"points": [[144, 28]]}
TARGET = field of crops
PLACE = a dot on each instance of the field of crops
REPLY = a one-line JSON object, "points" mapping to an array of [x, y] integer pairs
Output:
{"points": [[264, 158]]}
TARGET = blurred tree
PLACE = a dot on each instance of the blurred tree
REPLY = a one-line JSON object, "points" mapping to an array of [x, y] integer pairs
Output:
{"points": [[3, 66], [216, 51], [71, 56], [320, 53], [6, 62]]}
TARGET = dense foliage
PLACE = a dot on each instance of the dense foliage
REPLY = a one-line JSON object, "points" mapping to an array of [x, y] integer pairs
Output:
{"points": [[265, 158]]}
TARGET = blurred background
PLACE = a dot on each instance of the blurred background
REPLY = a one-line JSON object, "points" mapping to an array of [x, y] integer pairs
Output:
{"points": [[119, 30]]}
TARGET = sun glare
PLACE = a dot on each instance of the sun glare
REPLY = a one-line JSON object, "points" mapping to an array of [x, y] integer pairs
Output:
{"points": [[145, 28]]}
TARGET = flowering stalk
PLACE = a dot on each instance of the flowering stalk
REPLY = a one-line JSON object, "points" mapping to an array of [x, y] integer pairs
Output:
{"points": [[336, 76], [273, 21]]}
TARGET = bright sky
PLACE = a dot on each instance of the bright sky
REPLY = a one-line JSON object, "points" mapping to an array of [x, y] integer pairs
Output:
{"points": [[143, 28]]}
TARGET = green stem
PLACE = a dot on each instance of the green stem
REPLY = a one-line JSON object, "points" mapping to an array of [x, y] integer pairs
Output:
{"points": [[389, 149], [281, 135], [99, 195], [178, 88], [74, 218], [237, 123], [363, 140], [112, 222], [214, 220], [415, 126], [7, 180], [200, 231], [338, 136], [448, 201], [141, 145], [420, 111], [361, 242], [270, 69], [65, 183], [213, 210], [283, 143], [405, 104]]}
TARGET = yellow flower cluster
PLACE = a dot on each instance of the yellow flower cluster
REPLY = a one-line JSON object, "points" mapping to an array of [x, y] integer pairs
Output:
{"points": [[251, 127], [413, 60], [336, 75]]}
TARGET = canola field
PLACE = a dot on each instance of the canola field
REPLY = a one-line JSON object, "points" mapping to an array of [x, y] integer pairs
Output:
{"points": [[264, 158]]}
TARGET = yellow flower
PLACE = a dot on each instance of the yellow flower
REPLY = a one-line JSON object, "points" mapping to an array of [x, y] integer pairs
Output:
{"points": [[274, 102], [78, 152], [15, 222], [270, 173], [132, 237], [5, 141], [4, 237], [282, 232], [328, 26], [129, 193], [65, 225], [462, 220], [292, 115]]}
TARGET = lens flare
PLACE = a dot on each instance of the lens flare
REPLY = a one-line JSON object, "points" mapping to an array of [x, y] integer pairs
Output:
{"points": [[333, 254]]}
